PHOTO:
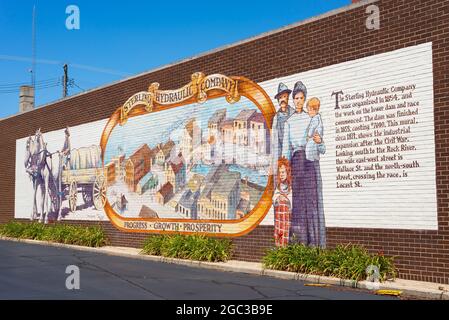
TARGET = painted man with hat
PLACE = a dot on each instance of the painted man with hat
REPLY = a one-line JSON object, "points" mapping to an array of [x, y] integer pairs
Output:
{"points": [[284, 112], [66, 148]]}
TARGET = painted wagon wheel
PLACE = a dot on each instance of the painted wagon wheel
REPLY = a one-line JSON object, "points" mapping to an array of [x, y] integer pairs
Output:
{"points": [[73, 193], [99, 192]]}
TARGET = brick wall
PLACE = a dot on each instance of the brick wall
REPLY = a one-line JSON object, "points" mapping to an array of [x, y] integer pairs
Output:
{"points": [[332, 39]]}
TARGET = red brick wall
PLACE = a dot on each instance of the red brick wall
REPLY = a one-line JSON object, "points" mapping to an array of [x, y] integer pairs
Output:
{"points": [[421, 255]]}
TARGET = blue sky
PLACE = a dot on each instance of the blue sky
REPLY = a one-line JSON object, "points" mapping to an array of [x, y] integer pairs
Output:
{"points": [[118, 39]]}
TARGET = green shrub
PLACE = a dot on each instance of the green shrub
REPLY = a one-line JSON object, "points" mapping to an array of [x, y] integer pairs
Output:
{"points": [[152, 245], [32, 230], [193, 247], [92, 236], [12, 229], [344, 261]]}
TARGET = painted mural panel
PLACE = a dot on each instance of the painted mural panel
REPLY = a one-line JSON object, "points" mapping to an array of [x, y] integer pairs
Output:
{"points": [[207, 170], [349, 145], [57, 174], [378, 169], [211, 161]]}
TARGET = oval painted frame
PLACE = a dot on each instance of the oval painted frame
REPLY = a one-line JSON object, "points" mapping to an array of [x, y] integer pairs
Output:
{"points": [[221, 228]]}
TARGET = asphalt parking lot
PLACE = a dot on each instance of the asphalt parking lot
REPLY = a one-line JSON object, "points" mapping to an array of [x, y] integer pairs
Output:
{"points": [[29, 271]]}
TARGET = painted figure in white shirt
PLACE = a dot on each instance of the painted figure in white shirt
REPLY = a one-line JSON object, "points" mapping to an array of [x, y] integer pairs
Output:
{"points": [[307, 224], [315, 126]]}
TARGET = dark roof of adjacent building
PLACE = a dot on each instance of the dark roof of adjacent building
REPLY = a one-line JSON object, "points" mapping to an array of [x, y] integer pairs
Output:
{"points": [[189, 198], [166, 148], [146, 212], [166, 189], [258, 117], [176, 167], [211, 178], [245, 115], [226, 184], [218, 116], [143, 153], [219, 180]]}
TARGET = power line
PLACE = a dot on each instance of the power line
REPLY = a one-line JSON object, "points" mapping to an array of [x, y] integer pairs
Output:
{"points": [[17, 91], [38, 86], [7, 88], [74, 84], [18, 84], [37, 89], [39, 83]]}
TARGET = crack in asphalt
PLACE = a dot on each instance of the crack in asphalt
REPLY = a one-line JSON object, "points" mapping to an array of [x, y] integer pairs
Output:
{"points": [[291, 292], [86, 263], [41, 260], [240, 285]]}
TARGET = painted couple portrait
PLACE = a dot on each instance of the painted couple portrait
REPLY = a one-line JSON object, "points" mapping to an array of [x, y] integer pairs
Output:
{"points": [[297, 143]]}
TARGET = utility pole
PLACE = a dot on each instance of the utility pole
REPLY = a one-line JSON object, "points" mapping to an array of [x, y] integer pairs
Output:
{"points": [[65, 80]]}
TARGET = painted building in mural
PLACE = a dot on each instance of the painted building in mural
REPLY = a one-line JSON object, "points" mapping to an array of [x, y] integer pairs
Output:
{"points": [[137, 166], [191, 142], [321, 154]]}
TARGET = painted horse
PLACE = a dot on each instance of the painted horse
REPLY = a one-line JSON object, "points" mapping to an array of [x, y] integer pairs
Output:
{"points": [[44, 170]]}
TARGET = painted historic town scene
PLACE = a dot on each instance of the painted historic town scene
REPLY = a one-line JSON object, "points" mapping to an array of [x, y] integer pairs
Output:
{"points": [[211, 161]]}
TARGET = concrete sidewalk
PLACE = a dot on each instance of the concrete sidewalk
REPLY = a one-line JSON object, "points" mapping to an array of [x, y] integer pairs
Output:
{"points": [[409, 288]]}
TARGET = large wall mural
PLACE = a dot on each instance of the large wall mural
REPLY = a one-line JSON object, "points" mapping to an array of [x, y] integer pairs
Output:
{"points": [[349, 145]]}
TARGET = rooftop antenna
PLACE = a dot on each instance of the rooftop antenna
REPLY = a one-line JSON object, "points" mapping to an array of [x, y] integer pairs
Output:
{"points": [[33, 57]]}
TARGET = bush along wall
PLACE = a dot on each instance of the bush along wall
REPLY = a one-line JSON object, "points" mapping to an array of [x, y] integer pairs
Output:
{"points": [[344, 261], [91, 236], [193, 247]]}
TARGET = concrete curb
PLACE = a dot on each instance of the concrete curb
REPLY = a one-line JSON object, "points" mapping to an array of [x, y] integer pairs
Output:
{"points": [[408, 290]]}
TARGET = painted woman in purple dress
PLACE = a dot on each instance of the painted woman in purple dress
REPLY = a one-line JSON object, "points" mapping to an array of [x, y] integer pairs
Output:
{"points": [[307, 225]]}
